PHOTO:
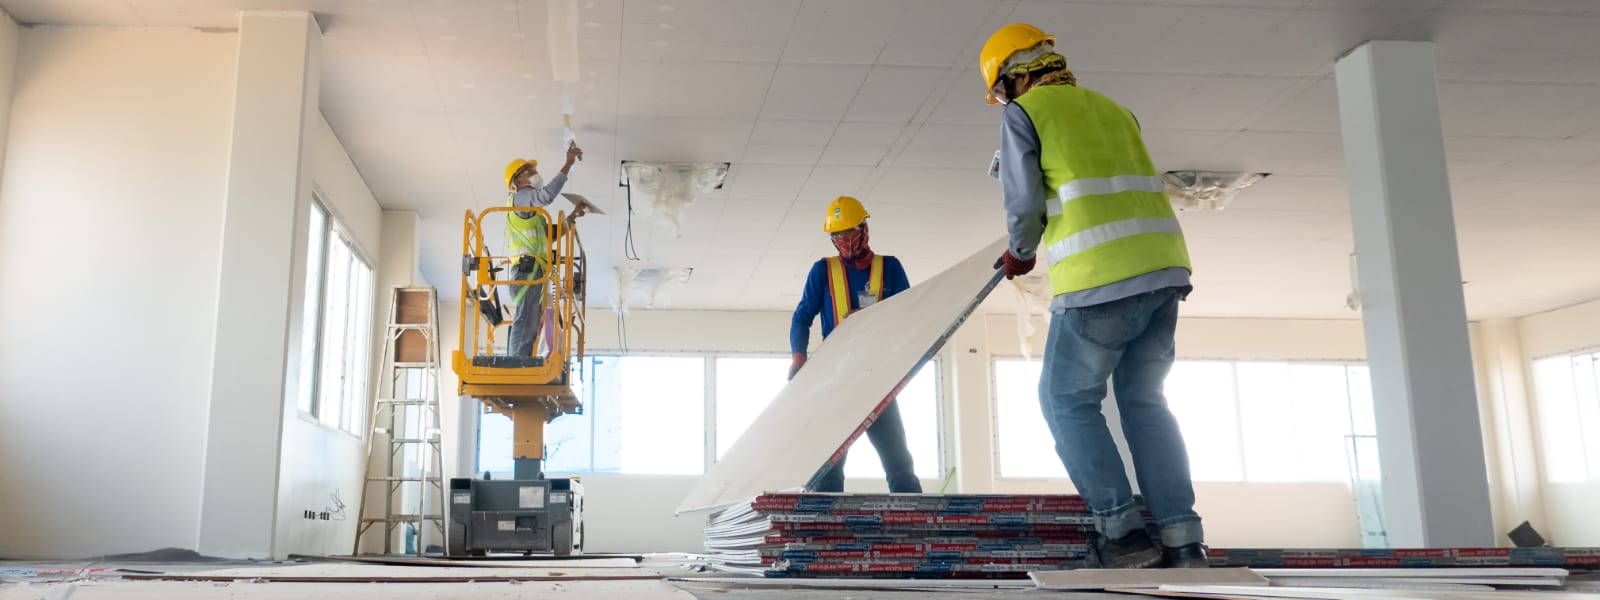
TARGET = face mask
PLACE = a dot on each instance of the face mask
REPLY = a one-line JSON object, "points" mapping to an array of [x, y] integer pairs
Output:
{"points": [[536, 181], [853, 246]]}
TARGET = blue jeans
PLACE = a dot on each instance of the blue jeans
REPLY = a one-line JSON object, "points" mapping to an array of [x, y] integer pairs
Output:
{"points": [[1130, 341], [888, 435]]}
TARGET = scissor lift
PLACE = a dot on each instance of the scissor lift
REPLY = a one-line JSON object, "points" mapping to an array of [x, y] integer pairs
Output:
{"points": [[528, 513]]}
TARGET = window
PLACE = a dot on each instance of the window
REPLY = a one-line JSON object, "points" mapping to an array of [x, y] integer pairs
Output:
{"points": [[1241, 421], [745, 386], [336, 335], [1567, 393], [648, 415], [642, 415]]}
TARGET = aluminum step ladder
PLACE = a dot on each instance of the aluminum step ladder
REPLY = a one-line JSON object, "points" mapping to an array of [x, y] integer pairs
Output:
{"points": [[405, 458]]}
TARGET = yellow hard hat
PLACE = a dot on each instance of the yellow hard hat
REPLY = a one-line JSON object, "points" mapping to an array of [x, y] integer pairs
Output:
{"points": [[515, 165], [1006, 41], [844, 213]]}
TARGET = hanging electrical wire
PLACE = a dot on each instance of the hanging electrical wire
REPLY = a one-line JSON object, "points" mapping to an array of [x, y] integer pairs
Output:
{"points": [[627, 236]]}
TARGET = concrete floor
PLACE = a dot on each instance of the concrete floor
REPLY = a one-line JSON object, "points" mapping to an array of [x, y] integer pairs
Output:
{"points": [[243, 583]]}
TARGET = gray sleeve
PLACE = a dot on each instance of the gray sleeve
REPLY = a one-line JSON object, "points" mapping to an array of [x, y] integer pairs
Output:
{"points": [[540, 197], [1022, 181]]}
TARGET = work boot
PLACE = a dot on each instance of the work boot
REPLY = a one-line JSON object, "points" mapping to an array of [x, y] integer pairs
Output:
{"points": [[1132, 551], [1192, 556]]}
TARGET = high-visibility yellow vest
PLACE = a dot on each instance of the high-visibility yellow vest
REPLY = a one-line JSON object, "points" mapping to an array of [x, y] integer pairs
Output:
{"points": [[1110, 218], [528, 237], [839, 285]]}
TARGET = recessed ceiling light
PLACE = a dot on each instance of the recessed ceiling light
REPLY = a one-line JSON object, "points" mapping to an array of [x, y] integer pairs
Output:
{"points": [[448, 38], [527, 75], [532, 96], [664, 25], [589, 87], [468, 86], [588, 5], [591, 24], [444, 21], [663, 43]]}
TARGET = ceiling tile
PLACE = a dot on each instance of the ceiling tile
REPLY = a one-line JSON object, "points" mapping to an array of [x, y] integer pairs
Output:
{"points": [[768, 182], [803, 133], [893, 94], [812, 92], [718, 90], [787, 154]]}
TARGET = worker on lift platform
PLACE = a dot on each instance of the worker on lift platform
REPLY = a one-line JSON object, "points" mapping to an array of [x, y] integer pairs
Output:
{"points": [[528, 236], [838, 286]]}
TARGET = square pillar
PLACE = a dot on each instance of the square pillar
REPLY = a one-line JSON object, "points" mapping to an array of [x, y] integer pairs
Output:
{"points": [[1430, 441], [275, 103]]}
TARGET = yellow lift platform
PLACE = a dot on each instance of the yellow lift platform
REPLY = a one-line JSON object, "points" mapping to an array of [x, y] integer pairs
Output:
{"points": [[528, 513]]}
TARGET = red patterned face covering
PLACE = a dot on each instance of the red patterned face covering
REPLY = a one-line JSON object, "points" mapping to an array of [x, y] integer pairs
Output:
{"points": [[852, 247]]}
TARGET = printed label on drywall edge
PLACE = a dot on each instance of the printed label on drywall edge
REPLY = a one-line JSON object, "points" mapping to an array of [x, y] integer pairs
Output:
{"points": [[530, 497], [506, 525], [462, 497], [558, 497]]}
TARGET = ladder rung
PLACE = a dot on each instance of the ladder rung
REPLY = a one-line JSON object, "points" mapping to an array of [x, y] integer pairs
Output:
{"points": [[412, 365], [403, 401], [427, 479], [412, 441]]}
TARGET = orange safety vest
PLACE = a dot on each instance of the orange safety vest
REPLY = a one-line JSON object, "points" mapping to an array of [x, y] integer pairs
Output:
{"points": [[839, 286]]}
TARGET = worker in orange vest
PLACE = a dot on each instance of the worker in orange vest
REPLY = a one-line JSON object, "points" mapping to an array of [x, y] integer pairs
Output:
{"points": [[837, 287]]}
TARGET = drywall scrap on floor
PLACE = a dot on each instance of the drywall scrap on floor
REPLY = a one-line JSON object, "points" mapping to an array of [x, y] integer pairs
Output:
{"points": [[1101, 579], [843, 385], [173, 590]]}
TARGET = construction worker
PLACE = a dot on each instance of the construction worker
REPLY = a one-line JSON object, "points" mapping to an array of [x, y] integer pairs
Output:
{"points": [[528, 235], [837, 287], [1076, 178]]}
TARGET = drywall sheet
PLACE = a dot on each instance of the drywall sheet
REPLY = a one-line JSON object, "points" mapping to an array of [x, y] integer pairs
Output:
{"points": [[171, 590], [1100, 579], [843, 385]]}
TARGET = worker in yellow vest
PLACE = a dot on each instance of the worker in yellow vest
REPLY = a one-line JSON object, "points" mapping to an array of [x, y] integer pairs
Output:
{"points": [[528, 238], [837, 287], [1078, 181]]}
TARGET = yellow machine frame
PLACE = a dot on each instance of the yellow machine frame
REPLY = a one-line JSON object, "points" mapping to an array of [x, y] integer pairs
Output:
{"points": [[532, 395]]}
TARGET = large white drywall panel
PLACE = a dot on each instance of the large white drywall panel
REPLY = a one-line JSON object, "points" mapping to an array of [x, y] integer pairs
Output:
{"points": [[844, 385], [110, 212], [320, 467]]}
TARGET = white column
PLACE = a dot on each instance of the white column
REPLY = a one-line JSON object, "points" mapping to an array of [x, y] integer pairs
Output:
{"points": [[1429, 439], [275, 103]]}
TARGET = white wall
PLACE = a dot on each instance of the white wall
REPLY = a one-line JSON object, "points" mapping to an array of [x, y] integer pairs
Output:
{"points": [[110, 213], [1568, 507], [316, 461]]}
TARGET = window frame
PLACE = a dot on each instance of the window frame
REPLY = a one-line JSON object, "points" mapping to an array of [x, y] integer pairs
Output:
{"points": [[1582, 429], [334, 229]]}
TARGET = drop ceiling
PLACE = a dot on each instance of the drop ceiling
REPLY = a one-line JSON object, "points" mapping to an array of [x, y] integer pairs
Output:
{"points": [[811, 99]]}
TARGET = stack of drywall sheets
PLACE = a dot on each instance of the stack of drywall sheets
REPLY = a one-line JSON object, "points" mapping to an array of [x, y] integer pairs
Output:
{"points": [[900, 535], [1406, 557]]}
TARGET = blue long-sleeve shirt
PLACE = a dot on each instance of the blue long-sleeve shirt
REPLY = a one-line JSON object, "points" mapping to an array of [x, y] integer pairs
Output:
{"points": [[816, 299]]}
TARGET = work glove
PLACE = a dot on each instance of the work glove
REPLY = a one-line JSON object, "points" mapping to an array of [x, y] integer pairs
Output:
{"points": [[1014, 267], [795, 363]]}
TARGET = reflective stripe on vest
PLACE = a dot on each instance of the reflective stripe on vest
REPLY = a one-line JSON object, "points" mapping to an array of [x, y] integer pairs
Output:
{"points": [[527, 236], [1110, 219], [839, 285]]}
